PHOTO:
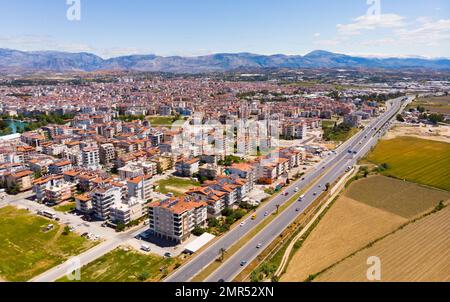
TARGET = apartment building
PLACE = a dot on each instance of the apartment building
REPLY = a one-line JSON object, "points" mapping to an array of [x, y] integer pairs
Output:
{"points": [[91, 158], [127, 211], [295, 130], [187, 168], [103, 198], [174, 219], [22, 179], [83, 204], [60, 167], [244, 171], [59, 193], [107, 154], [140, 187], [41, 184]]}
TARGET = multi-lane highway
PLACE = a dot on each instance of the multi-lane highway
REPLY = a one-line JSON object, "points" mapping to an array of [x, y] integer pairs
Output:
{"points": [[329, 170]]}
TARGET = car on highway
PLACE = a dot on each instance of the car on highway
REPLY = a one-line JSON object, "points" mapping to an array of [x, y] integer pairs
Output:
{"points": [[243, 262], [297, 210], [315, 193], [242, 223], [297, 189], [266, 214], [168, 255], [259, 245], [286, 193]]}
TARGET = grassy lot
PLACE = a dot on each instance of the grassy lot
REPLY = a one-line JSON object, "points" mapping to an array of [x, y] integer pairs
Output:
{"points": [[340, 133], [26, 251], [176, 186], [66, 207], [434, 104], [162, 120], [423, 161], [126, 266]]}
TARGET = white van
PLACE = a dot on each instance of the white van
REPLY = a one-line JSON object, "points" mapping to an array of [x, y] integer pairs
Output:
{"points": [[145, 248]]}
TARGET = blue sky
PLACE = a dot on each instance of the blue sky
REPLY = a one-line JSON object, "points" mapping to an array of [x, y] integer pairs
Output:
{"points": [[197, 27]]}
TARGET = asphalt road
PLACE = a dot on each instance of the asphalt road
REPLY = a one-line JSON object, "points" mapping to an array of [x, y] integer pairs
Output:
{"points": [[332, 168]]}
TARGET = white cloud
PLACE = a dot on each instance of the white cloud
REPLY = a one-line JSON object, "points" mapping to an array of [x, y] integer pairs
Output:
{"points": [[316, 35], [371, 22], [431, 33]]}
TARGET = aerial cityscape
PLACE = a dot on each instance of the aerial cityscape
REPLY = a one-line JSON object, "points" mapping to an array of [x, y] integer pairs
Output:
{"points": [[224, 152]]}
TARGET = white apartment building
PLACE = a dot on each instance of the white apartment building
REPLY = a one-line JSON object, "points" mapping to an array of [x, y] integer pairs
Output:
{"points": [[140, 187], [91, 158], [127, 211], [103, 198]]}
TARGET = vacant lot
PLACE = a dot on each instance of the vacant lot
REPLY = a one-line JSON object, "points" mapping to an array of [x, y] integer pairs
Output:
{"points": [[348, 226], [435, 133], [419, 252], [123, 265], [27, 251], [370, 209], [434, 104], [398, 197], [162, 121], [417, 160], [176, 186]]}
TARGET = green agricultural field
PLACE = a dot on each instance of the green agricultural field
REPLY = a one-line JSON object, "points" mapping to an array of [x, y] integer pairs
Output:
{"points": [[399, 197], [126, 266], [27, 251], [176, 186], [416, 160]]}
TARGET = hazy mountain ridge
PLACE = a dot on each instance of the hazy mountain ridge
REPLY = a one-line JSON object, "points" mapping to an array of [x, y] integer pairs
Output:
{"points": [[65, 62]]}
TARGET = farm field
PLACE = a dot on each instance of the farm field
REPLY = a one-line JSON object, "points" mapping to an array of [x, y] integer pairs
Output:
{"points": [[368, 210], [123, 265], [27, 251], [398, 197], [419, 252], [348, 226], [417, 160], [176, 186], [439, 104]]}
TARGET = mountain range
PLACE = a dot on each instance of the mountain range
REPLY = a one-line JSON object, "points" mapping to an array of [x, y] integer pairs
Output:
{"points": [[55, 61]]}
